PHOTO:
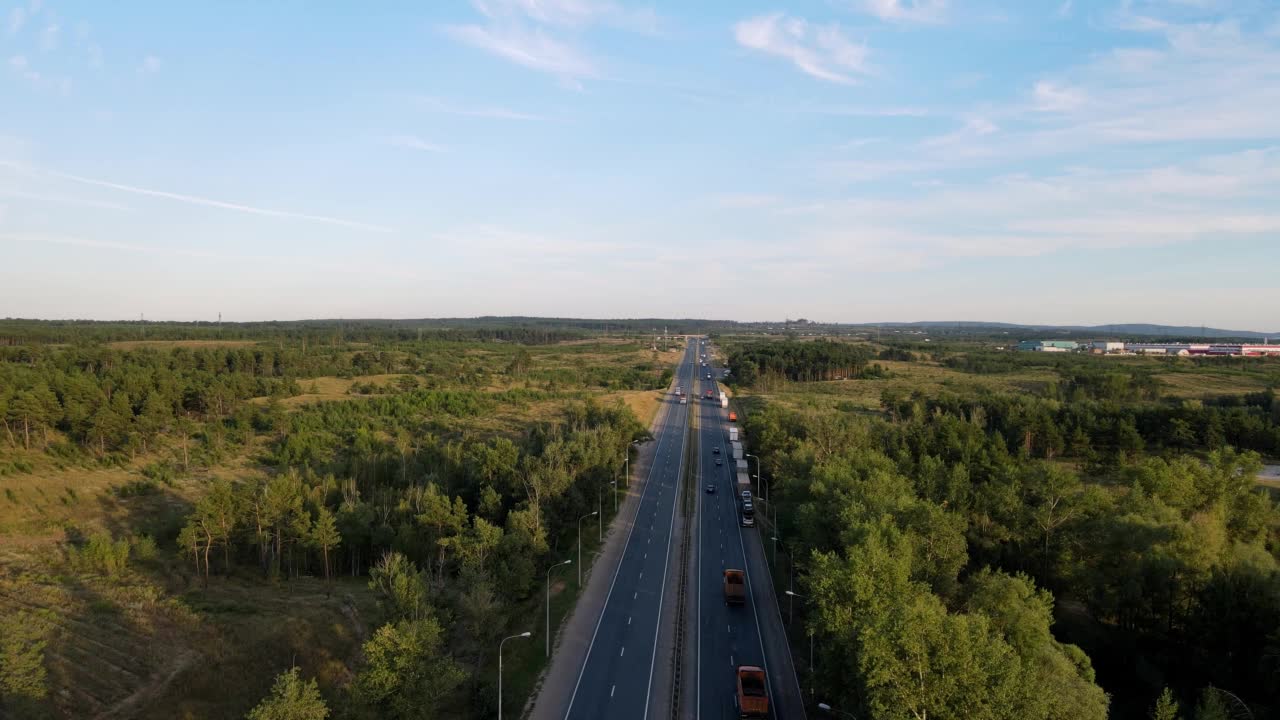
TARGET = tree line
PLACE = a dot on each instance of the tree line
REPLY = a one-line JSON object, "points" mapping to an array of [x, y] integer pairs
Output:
{"points": [[752, 363], [958, 567]]}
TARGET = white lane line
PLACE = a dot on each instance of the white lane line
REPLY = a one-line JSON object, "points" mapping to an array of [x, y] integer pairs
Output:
{"points": [[666, 563], [611, 689], [628, 619], [609, 596], [641, 575], [622, 652], [635, 595], [731, 663]]}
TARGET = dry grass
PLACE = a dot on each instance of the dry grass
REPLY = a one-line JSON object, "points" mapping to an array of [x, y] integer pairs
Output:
{"points": [[908, 377], [644, 403], [1208, 384], [152, 644], [330, 388], [166, 344]]}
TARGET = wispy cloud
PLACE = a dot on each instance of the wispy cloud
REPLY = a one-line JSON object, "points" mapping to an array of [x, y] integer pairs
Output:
{"points": [[570, 13], [921, 11], [821, 51], [49, 37], [62, 200], [17, 18], [496, 113], [202, 201], [413, 142], [531, 48]]}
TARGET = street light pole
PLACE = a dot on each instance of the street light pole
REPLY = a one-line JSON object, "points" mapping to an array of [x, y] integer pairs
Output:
{"points": [[790, 597], [504, 642], [584, 517], [553, 567]]}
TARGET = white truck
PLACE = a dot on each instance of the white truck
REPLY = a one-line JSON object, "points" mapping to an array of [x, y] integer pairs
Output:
{"points": [[737, 450], [733, 434]]}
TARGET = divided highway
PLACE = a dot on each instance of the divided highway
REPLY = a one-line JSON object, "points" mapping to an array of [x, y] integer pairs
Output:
{"points": [[617, 675], [748, 634]]}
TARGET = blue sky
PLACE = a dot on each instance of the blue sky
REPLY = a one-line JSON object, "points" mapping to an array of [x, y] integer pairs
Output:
{"points": [[845, 160]]}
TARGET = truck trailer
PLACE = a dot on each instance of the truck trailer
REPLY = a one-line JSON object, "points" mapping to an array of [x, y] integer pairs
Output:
{"points": [[753, 692]]}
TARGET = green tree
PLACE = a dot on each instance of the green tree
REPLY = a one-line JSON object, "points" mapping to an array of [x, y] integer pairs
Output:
{"points": [[407, 675], [325, 536], [1211, 706], [1166, 708], [402, 585], [291, 698]]}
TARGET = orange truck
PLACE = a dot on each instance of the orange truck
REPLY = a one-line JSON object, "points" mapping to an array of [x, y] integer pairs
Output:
{"points": [[735, 584], [753, 692], [733, 416]]}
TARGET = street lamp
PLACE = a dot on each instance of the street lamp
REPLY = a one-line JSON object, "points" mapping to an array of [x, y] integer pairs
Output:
{"points": [[553, 567], [791, 595], [524, 634], [760, 476], [584, 517], [774, 537], [827, 708]]}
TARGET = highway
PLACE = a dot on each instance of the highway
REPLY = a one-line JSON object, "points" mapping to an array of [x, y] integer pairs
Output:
{"points": [[617, 674], [749, 634]]}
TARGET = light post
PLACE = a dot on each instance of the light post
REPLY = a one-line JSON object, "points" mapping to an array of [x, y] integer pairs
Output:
{"points": [[524, 634], [760, 476], [775, 546], [811, 673], [584, 517], [553, 567], [627, 459], [827, 708]]}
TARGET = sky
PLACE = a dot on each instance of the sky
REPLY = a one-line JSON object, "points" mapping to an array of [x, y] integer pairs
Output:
{"points": [[1063, 162]]}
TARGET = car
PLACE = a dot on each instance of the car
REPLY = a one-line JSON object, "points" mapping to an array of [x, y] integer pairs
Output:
{"points": [[719, 462], [711, 489], [716, 451]]}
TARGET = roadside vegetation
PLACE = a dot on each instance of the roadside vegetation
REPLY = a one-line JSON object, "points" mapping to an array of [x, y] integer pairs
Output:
{"points": [[319, 521], [1023, 536]]}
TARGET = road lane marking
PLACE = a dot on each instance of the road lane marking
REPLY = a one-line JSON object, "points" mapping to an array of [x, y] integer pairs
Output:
{"points": [[611, 689], [622, 652]]}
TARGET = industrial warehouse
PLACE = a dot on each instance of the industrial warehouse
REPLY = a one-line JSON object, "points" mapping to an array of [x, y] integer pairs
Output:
{"points": [[1108, 347]]}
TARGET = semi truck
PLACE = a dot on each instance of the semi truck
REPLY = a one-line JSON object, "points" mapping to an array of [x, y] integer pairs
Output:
{"points": [[735, 592], [753, 692], [733, 433], [733, 417]]}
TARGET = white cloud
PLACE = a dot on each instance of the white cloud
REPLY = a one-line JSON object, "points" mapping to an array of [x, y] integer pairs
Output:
{"points": [[17, 18], [49, 37], [150, 65], [922, 11], [497, 113], [1055, 98], [62, 200], [413, 142], [195, 200], [1022, 216], [821, 51], [1064, 10], [569, 13], [533, 49]]}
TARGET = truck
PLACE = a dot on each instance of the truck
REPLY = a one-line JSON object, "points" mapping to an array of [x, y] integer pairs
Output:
{"points": [[733, 417], [735, 592], [753, 692], [733, 433], [724, 400], [709, 395], [737, 449]]}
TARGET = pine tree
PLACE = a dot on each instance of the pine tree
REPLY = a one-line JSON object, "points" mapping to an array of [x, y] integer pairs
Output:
{"points": [[291, 698]]}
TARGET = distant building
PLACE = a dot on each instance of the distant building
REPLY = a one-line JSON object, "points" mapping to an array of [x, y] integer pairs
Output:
{"points": [[1048, 345], [1108, 346]]}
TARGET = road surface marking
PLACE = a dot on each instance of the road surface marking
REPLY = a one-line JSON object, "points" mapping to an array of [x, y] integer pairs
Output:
{"points": [[641, 575], [628, 619], [611, 689], [635, 595], [622, 652], [730, 661]]}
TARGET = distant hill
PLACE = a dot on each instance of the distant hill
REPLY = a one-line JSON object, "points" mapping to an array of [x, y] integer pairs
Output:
{"points": [[1118, 330]]}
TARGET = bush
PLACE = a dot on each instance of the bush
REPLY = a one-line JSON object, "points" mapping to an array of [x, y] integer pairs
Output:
{"points": [[103, 555]]}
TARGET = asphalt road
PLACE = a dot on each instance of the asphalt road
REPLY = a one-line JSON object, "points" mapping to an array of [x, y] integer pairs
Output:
{"points": [[749, 634], [617, 674]]}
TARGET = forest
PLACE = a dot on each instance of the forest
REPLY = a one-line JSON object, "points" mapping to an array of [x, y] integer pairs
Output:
{"points": [[441, 485], [1084, 547]]}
